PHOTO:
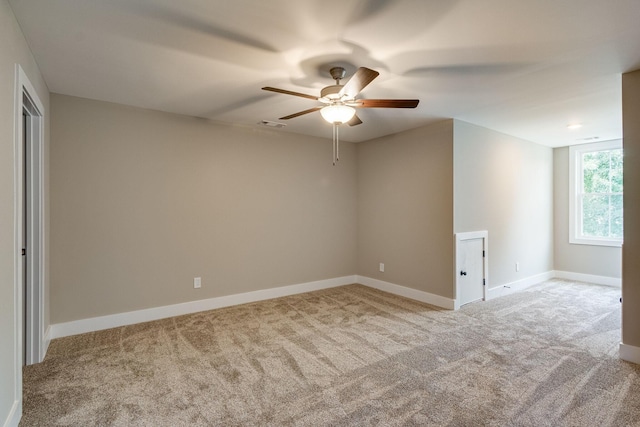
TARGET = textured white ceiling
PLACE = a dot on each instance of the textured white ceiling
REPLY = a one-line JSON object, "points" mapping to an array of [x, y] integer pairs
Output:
{"points": [[525, 68]]}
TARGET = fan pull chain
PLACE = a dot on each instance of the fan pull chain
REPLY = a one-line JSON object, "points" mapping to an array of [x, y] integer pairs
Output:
{"points": [[333, 135], [336, 144]]}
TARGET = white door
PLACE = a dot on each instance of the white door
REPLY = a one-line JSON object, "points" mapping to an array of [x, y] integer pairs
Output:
{"points": [[471, 274], [31, 230], [25, 232]]}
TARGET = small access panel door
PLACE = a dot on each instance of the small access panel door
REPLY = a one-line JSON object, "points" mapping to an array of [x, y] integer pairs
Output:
{"points": [[471, 270]]}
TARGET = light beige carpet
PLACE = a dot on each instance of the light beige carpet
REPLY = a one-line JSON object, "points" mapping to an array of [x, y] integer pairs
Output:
{"points": [[350, 356]]}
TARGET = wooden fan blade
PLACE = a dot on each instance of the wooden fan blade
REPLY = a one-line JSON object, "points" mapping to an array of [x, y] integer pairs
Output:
{"points": [[355, 121], [386, 103], [358, 81], [300, 113], [288, 92]]}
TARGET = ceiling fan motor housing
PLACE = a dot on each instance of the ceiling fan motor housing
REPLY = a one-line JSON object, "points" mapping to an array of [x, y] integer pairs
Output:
{"points": [[331, 93]]}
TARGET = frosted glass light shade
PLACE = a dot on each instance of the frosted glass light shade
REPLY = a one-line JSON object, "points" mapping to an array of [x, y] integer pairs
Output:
{"points": [[337, 113]]}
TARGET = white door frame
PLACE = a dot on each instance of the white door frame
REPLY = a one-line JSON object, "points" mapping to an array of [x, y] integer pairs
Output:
{"points": [[27, 100], [484, 235]]}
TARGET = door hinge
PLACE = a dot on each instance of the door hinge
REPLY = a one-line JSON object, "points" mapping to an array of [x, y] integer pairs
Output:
{"points": [[482, 254], [483, 282], [24, 252]]}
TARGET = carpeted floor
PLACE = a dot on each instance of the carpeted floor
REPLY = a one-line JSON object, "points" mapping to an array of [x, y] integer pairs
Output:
{"points": [[350, 356]]}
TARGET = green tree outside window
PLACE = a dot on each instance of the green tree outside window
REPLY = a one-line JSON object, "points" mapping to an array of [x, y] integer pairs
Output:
{"points": [[602, 213]]}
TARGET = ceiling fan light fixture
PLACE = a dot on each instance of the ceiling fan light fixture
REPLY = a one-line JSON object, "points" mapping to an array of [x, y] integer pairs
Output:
{"points": [[338, 113]]}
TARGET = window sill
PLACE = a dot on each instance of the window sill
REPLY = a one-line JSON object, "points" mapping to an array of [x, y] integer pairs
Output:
{"points": [[597, 242]]}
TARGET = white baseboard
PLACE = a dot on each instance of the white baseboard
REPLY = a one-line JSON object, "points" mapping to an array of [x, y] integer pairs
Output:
{"points": [[518, 285], [122, 319], [13, 418], [630, 353], [403, 291], [590, 278]]}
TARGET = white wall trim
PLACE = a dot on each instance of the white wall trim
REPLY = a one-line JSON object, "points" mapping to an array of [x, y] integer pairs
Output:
{"points": [[122, 319], [403, 291], [13, 418], [590, 278], [518, 285], [81, 326], [630, 353]]}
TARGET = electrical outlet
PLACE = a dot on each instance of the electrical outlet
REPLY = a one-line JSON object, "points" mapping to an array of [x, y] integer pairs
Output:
{"points": [[197, 282], [517, 267], [382, 267]]}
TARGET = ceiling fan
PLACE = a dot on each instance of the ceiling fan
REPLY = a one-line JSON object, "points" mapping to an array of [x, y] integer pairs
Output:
{"points": [[340, 101]]}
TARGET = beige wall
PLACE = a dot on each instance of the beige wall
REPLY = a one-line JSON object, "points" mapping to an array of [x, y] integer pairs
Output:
{"points": [[631, 248], [13, 50], [405, 209], [584, 259], [143, 202], [504, 185]]}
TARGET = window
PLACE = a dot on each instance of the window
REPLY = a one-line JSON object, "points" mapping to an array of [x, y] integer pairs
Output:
{"points": [[595, 216]]}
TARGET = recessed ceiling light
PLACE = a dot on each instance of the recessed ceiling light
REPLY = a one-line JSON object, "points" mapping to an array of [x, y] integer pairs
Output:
{"points": [[574, 126]]}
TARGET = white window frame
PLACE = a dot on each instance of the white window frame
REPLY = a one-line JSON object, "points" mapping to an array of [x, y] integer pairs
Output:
{"points": [[575, 187]]}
